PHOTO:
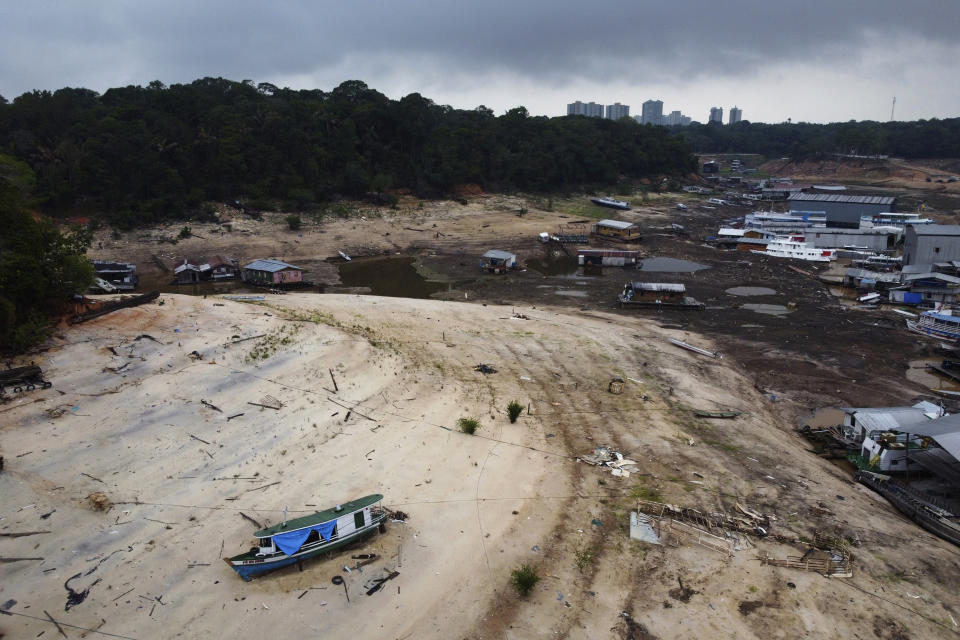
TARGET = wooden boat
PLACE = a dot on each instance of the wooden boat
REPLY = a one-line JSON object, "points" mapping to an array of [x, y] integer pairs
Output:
{"points": [[296, 540], [716, 414], [936, 325]]}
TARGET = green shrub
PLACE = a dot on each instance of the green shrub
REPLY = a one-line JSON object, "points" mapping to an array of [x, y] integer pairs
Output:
{"points": [[514, 409], [186, 232], [468, 425], [293, 221], [524, 578]]}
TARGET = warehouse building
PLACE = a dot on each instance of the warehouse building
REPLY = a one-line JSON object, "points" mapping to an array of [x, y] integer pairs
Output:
{"points": [[868, 239], [931, 243], [841, 210]]}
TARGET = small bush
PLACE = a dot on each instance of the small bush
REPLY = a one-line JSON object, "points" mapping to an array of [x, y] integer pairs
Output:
{"points": [[583, 557], [294, 221], [514, 409], [524, 578], [185, 233], [468, 425]]}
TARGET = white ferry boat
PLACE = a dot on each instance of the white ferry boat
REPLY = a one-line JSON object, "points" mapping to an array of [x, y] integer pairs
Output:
{"points": [[795, 247], [900, 220]]}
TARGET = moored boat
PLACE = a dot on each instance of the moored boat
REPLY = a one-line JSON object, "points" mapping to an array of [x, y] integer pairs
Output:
{"points": [[299, 539], [784, 247], [938, 325], [610, 202]]}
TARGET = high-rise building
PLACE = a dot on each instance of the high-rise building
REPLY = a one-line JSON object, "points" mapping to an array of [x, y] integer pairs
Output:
{"points": [[594, 110], [616, 111], [716, 115], [736, 115], [591, 109], [652, 112]]}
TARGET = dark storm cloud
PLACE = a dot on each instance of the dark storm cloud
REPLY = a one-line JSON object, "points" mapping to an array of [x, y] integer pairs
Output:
{"points": [[100, 44]]}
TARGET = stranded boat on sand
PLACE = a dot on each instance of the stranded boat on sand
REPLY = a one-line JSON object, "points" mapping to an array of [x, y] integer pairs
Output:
{"points": [[610, 202], [296, 540], [941, 325]]}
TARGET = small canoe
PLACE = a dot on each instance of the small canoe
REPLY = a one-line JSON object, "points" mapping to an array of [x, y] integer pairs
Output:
{"points": [[716, 414]]}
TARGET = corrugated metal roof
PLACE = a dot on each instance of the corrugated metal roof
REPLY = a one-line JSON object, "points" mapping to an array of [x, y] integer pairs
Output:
{"points": [[891, 419], [945, 430], [500, 255], [931, 276], [659, 286], [879, 276], [269, 265], [916, 268], [935, 229], [615, 224], [840, 197]]}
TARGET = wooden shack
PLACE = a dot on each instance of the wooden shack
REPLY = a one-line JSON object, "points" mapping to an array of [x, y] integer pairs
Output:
{"points": [[497, 261], [619, 230], [272, 273], [657, 294]]}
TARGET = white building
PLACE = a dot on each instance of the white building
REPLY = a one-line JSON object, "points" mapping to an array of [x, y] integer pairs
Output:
{"points": [[716, 115], [736, 115], [616, 111], [652, 112]]}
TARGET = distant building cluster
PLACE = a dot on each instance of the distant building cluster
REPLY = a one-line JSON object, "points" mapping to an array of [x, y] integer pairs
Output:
{"points": [[716, 115], [651, 112]]}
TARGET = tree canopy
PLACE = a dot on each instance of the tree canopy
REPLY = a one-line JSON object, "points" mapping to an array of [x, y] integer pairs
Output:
{"points": [[920, 139], [40, 267], [135, 155]]}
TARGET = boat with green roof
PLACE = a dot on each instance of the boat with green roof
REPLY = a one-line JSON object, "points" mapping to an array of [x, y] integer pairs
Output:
{"points": [[294, 541]]}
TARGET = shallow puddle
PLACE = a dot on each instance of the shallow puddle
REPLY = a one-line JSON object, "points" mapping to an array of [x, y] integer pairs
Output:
{"points": [[573, 293], [393, 276], [751, 291], [825, 417], [768, 309], [561, 266], [671, 265]]}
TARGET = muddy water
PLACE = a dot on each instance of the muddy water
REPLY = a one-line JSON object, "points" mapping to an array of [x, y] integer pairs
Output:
{"points": [[671, 265], [393, 276], [825, 417], [751, 291], [919, 373], [561, 266]]}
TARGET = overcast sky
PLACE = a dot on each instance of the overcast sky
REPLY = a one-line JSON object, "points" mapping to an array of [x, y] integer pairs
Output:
{"points": [[813, 61]]}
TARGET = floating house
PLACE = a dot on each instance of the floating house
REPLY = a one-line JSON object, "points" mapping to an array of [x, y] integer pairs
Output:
{"points": [[927, 289], [216, 268], [617, 230], [121, 275], [607, 257], [661, 295], [929, 243], [497, 261], [270, 273]]}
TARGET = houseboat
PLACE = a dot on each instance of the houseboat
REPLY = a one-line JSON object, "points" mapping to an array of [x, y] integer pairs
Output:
{"points": [[616, 230], [893, 220], [937, 324], [795, 247], [497, 261], [607, 257], [610, 202], [657, 295], [122, 275], [296, 540]]}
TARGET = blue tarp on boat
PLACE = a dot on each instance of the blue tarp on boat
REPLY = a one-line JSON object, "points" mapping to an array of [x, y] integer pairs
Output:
{"points": [[291, 541]]}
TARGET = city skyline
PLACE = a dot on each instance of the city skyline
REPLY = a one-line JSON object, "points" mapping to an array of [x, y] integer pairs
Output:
{"points": [[779, 59]]}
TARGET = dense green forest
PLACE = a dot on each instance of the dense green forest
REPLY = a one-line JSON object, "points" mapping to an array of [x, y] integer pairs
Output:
{"points": [[135, 155], [40, 266], [920, 139]]}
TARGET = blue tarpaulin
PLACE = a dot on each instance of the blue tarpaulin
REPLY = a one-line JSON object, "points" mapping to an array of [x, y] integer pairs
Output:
{"points": [[913, 298], [291, 541]]}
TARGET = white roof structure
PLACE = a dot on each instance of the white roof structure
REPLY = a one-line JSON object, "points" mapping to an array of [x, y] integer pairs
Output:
{"points": [[269, 265], [500, 255], [659, 286], [616, 224], [895, 418]]}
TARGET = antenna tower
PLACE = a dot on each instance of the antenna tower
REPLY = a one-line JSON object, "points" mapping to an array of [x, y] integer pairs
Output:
{"points": [[892, 107]]}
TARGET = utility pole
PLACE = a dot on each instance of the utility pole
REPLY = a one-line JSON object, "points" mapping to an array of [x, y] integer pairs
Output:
{"points": [[892, 107]]}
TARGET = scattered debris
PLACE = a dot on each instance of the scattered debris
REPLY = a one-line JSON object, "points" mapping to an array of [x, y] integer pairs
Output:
{"points": [[20, 534], [690, 347], [268, 402], [210, 405], [199, 439], [195, 355], [641, 529], [92, 477], [373, 585], [604, 456], [251, 520], [236, 415], [99, 501], [485, 369], [76, 597], [615, 386]]}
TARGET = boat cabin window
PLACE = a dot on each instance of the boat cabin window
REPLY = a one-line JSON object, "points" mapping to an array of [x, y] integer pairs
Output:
{"points": [[358, 519], [266, 542]]}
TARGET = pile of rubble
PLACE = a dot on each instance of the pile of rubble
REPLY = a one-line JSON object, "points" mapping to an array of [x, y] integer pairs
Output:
{"points": [[607, 457]]}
